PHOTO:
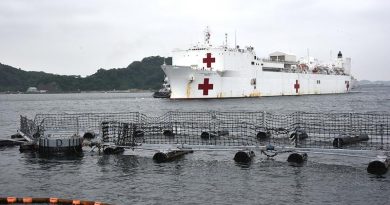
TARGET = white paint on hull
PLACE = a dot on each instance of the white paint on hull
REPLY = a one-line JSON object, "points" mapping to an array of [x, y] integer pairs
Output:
{"points": [[185, 83]]}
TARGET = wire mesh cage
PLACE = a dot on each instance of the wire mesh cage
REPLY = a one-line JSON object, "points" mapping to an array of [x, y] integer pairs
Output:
{"points": [[363, 131]]}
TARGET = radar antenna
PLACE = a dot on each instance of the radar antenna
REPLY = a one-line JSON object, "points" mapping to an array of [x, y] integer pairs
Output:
{"points": [[207, 36], [226, 39]]}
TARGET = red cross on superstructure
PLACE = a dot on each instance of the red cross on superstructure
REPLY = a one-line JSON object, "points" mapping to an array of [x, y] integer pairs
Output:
{"points": [[208, 60], [296, 86], [205, 86]]}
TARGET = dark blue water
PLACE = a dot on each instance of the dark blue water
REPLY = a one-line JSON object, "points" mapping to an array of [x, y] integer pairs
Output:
{"points": [[199, 178]]}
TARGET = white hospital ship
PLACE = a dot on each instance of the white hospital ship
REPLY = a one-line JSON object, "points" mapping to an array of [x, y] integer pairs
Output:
{"points": [[206, 71]]}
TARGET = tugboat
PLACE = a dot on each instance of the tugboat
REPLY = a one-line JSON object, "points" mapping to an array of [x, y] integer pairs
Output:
{"points": [[165, 91]]}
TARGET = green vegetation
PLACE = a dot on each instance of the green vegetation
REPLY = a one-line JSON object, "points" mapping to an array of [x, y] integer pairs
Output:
{"points": [[145, 74]]}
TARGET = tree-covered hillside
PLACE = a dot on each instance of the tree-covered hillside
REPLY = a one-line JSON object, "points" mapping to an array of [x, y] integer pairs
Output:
{"points": [[145, 74]]}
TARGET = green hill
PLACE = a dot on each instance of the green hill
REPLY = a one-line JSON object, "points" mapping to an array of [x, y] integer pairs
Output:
{"points": [[145, 74]]}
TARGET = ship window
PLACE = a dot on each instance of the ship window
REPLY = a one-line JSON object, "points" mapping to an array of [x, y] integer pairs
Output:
{"points": [[253, 63], [255, 57]]}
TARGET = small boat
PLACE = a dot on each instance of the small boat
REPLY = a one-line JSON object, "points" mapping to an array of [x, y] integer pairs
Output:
{"points": [[165, 91]]}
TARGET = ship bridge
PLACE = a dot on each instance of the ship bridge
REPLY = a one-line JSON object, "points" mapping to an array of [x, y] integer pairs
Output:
{"points": [[215, 58]]}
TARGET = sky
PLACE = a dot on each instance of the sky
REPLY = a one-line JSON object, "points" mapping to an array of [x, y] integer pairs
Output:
{"points": [[78, 37]]}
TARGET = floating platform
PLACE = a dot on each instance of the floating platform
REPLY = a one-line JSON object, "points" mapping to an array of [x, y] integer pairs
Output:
{"points": [[226, 130]]}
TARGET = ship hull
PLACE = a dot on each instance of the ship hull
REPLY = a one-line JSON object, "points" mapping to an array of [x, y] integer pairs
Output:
{"points": [[189, 83]]}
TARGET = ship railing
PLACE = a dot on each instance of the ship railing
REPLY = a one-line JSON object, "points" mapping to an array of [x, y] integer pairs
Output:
{"points": [[278, 61]]}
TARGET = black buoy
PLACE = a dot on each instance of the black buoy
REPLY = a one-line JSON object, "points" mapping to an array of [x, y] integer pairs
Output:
{"points": [[168, 133], [89, 135], [16, 136], [28, 146], [208, 135], [379, 166], [263, 135], [342, 140], [244, 156], [113, 150], [300, 133], [297, 158], [161, 157], [138, 133], [223, 132], [10, 142]]}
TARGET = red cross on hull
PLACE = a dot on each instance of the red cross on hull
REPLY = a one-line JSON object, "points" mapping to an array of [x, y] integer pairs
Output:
{"points": [[296, 86], [206, 86], [208, 60]]}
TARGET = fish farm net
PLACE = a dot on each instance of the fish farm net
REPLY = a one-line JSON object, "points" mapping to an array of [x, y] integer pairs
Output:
{"points": [[362, 131]]}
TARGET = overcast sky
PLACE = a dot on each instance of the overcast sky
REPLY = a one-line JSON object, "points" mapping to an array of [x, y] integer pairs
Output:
{"points": [[80, 36]]}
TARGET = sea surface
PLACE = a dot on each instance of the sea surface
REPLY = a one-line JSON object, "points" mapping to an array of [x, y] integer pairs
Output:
{"points": [[198, 178]]}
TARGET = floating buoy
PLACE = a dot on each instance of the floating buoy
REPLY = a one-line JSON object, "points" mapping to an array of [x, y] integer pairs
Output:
{"points": [[263, 135], [76, 202], [27, 200], [168, 133], [17, 136], [223, 132], [89, 135], [10, 142], [53, 200], [31, 200], [379, 166], [28, 146], [342, 140], [11, 200], [244, 156], [138, 133], [113, 150], [297, 158], [208, 135], [161, 157], [298, 134]]}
